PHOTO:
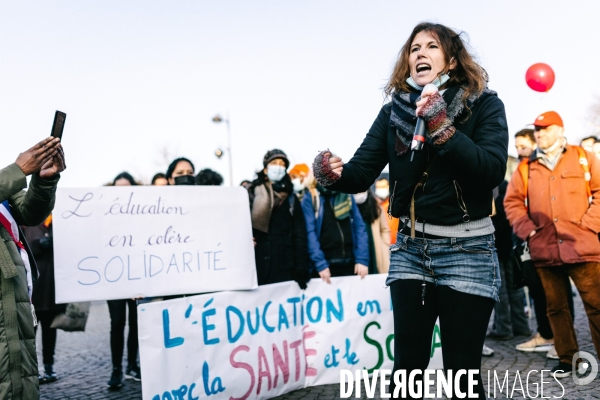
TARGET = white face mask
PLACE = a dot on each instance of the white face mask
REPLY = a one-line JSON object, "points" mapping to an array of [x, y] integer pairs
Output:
{"points": [[437, 82], [298, 185], [360, 198], [275, 173], [382, 193]]}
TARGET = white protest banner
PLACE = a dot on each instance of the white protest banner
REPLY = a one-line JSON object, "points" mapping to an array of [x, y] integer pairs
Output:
{"points": [[262, 343], [245, 345], [353, 326], [138, 241]]}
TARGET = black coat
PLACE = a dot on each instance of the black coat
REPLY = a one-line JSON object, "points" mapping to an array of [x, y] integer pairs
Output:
{"points": [[504, 233], [282, 253], [40, 241], [475, 158]]}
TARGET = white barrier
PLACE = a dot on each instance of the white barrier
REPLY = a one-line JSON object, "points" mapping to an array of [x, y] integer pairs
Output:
{"points": [[262, 343], [134, 241]]}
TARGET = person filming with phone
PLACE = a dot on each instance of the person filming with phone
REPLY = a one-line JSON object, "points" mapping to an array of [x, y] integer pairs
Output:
{"points": [[446, 146], [44, 162]]}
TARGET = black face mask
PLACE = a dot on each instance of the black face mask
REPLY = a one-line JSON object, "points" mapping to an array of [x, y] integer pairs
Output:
{"points": [[185, 180]]}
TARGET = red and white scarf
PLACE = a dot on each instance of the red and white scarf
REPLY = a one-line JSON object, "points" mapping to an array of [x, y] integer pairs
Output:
{"points": [[9, 223]]}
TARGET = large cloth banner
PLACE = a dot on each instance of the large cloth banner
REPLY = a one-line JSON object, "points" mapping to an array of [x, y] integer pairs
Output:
{"points": [[134, 241], [263, 343]]}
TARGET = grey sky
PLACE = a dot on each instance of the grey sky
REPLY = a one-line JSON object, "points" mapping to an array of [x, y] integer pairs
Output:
{"points": [[140, 77]]}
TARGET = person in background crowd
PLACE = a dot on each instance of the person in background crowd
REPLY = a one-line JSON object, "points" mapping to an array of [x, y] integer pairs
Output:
{"points": [[596, 149], [278, 224], [382, 191], [378, 231], [509, 315], [299, 174], [525, 143], [181, 167], [588, 143], [338, 242], [159, 179], [44, 162], [208, 177], [560, 222], [118, 310], [40, 241], [444, 262], [543, 341]]}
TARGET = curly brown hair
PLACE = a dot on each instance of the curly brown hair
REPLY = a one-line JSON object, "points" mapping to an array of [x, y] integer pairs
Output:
{"points": [[467, 72]]}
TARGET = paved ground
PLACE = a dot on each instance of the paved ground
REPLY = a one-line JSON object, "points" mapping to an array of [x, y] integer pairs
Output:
{"points": [[83, 364]]}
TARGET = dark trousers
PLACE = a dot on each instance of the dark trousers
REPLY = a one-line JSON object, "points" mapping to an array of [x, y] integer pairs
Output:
{"points": [[463, 318], [45, 319], [509, 317], [536, 292], [586, 277], [117, 309]]}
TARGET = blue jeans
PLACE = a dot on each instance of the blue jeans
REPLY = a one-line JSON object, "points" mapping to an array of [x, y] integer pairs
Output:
{"points": [[468, 265]]}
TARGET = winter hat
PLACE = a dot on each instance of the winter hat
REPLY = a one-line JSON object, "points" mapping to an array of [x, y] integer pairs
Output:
{"points": [[299, 169], [274, 154]]}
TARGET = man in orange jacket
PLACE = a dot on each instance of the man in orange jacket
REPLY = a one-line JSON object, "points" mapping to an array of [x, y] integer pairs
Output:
{"points": [[553, 202]]}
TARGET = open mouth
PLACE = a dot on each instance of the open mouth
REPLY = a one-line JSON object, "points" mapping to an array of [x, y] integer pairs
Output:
{"points": [[423, 68]]}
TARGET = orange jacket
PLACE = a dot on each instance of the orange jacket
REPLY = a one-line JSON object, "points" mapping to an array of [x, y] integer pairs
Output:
{"points": [[566, 224], [393, 222]]}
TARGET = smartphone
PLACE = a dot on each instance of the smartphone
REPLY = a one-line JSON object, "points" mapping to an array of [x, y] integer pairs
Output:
{"points": [[59, 124]]}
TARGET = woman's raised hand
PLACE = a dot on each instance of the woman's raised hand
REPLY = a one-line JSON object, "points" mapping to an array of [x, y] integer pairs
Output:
{"points": [[336, 164], [424, 96]]}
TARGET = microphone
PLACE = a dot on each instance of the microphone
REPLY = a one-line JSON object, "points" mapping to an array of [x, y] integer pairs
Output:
{"points": [[419, 136]]}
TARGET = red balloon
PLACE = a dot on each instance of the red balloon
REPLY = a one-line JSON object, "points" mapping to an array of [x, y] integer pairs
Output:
{"points": [[540, 77]]}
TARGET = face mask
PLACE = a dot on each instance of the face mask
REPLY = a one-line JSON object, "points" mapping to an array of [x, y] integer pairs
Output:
{"points": [[298, 186], [275, 173], [382, 193], [439, 81], [360, 198]]}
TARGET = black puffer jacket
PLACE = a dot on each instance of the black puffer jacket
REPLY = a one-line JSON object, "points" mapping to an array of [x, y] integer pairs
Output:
{"points": [[474, 158], [282, 253]]}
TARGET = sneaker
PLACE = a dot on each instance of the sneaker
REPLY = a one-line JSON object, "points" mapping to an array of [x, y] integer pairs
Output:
{"points": [[116, 379], [562, 370], [552, 354], [487, 351], [49, 375], [133, 372], [538, 344]]}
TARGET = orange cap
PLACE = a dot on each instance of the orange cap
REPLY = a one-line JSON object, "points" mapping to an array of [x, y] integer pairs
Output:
{"points": [[299, 169], [547, 119]]}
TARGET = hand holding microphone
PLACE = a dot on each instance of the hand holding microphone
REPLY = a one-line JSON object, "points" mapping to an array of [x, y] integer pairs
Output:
{"points": [[420, 128], [432, 110]]}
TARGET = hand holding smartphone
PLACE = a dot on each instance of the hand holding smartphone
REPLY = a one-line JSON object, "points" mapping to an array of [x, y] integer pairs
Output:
{"points": [[58, 125]]}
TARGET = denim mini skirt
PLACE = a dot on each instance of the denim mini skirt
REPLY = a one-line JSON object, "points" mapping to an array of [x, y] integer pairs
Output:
{"points": [[469, 265]]}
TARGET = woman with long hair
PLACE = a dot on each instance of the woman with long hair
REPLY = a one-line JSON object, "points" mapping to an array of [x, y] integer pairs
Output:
{"points": [[444, 262]]}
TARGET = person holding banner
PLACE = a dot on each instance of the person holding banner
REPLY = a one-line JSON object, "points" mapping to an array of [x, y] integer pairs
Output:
{"points": [[278, 226], [44, 162], [118, 311], [444, 262]]}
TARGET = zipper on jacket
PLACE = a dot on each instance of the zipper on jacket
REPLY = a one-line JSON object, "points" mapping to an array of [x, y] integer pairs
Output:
{"points": [[391, 201], [461, 202]]}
